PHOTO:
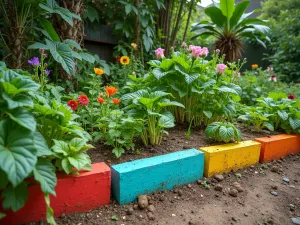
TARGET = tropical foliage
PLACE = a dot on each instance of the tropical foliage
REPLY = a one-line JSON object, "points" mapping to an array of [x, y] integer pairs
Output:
{"points": [[229, 24]]}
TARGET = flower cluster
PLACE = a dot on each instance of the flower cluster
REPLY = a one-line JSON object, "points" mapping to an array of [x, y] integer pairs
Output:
{"points": [[197, 51], [110, 91]]}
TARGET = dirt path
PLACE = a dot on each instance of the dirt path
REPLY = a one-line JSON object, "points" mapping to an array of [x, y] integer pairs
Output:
{"points": [[195, 205]]}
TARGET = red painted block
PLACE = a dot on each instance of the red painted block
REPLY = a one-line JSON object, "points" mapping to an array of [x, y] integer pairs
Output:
{"points": [[80, 193], [275, 147]]}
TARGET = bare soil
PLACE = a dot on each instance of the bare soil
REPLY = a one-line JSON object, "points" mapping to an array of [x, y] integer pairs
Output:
{"points": [[175, 141]]}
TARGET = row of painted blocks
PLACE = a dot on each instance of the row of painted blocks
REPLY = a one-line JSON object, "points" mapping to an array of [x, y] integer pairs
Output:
{"points": [[128, 180]]}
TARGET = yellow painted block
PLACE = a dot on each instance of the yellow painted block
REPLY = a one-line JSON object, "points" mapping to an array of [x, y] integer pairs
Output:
{"points": [[224, 158]]}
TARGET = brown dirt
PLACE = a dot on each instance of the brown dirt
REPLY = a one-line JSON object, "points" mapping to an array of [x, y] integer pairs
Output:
{"points": [[176, 141], [199, 206]]}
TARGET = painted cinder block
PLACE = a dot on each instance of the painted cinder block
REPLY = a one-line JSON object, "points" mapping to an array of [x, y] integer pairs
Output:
{"points": [[227, 157], [80, 193], [145, 176], [275, 147]]}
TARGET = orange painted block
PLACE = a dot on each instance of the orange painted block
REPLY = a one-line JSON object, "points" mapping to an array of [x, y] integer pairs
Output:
{"points": [[275, 147]]}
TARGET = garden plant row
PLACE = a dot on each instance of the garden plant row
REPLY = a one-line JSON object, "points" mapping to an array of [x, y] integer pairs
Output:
{"points": [[128, 180]]}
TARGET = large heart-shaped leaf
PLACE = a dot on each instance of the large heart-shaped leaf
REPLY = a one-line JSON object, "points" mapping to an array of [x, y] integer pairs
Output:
{"points": [[17, 101], [15, 197], [44, 173], [62, 54], [41, 145], [211, 129], [23, 117], [17, 151], [226, 133]]}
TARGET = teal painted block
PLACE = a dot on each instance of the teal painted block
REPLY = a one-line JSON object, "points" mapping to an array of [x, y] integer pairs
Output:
{"points": [[145, 176]]}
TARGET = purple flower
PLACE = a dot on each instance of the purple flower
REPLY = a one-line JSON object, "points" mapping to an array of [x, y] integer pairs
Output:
{"points": [[47, 72], [34, 61]]}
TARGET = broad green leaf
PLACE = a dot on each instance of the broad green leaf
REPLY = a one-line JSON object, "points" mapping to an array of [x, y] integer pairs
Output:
{"points": [[294, 122], [44, 173], [49, 213], [60, 147], [283, 115], [17, 151], [227, 90], [154, 63], [167, 102], [238, 12], [49, 29], [77, 143], [87, 57], [216, 15], [208, 114], [62, 54], [41, 145], [226, 133], [227, 8], [67, 167], [166, 64], [166, 121], [118, 152], [191, 78], [46, 110], [79, 161], [3, 179], [17, 101], [38, 45], [15, 197], [159, 73], [211, 129], [182, 91], [269, 126], [72, 44], [23, 117]]}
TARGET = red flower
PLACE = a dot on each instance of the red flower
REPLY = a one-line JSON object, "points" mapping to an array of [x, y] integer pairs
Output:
{"points": [[116, 101], [118, 59], [73, 104], [292, 97], [83, 100], [100, 100], [110, 90]]}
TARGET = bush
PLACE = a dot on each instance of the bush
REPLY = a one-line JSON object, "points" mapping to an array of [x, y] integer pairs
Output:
{"points": [[285, 53]]}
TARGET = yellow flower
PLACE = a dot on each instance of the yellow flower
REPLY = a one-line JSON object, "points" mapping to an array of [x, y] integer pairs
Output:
{"points": [[98, 71], [254, 66], [133, 45], [124, 60]]}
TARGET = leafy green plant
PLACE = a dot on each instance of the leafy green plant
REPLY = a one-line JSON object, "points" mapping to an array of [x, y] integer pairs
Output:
{"points": [[207, 95], [150, 105], [223, 131], [23, 150], [230, 24], [118, 131], [72, 155]]}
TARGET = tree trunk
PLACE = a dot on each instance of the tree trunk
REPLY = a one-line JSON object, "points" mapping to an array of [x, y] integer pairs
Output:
{"points": [[188, 20], [65, 30], [176, 27], [14, 37]]}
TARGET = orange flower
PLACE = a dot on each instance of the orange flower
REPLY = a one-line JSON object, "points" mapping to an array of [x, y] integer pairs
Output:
{"points": [[134, 45], [110, 90], [100, 100], [116, 101], [254, 66], [98, 71]]}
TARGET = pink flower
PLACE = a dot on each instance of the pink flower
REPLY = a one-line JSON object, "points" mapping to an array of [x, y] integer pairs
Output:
{"points": [[221, 68], [217, 50], [197, 51], [270, 68], [183, 44], [273, 78], [160, 53], [204, 51], [238, 75]]}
